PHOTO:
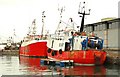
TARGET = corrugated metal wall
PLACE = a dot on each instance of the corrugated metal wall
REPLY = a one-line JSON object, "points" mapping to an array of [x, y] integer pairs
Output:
{"points": [[109, 34], [113, 38]]}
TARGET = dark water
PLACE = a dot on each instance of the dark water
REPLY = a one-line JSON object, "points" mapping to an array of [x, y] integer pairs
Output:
{"points": [[14, 65]]}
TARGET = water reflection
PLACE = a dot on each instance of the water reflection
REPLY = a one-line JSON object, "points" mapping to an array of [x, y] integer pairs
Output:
{"points": [[14, 65], [33, 65], [81, 70], [9, 65]]}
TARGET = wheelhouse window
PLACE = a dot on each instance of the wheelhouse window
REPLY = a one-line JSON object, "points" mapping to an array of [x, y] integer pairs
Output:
{"points": [[61, 44]]}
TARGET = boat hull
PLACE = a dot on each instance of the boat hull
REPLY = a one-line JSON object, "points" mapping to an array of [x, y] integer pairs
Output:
{"points": [[36, 49], [80, 57]]}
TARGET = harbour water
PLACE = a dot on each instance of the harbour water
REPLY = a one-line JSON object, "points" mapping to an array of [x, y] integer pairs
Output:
{"points": [[15, 65]]}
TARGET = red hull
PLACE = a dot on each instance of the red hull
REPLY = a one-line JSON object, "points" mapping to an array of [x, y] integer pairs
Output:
{"points": [[80, 56], [37, 49]]}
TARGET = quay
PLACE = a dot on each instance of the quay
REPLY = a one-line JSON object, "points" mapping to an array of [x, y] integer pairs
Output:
{"points": [[113, 57]]}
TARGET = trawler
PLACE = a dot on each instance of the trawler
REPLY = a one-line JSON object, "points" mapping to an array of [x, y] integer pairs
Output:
{"points": [[34, 45], [69, 44]]}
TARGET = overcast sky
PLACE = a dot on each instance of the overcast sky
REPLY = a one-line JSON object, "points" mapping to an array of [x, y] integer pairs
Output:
{"points": [[19, 14]]}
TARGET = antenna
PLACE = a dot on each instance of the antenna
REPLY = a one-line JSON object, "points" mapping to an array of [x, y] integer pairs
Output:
{"points": [[79, 6], [29, 31], [14, 32], [43, 16], [82, 12], [61, 11], [14, 35], [34, 27]]}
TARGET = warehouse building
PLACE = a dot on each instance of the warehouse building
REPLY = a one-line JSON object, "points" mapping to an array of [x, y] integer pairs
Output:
{"points": [[108, 29]]}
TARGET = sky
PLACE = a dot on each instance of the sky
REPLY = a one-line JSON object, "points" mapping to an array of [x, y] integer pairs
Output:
{"points": [[19, 14]]}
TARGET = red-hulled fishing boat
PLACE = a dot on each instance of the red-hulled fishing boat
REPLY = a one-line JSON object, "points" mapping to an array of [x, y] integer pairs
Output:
{"points": [[34, 45], [34, 48], [71, 48], [68, 44]]}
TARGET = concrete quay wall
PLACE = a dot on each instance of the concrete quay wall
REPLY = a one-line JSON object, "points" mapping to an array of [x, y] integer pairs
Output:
{"points": [[10, 52]]}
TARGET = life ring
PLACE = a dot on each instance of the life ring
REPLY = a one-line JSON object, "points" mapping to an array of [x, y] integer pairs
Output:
{"points": [[49, 50], [60, 51]]}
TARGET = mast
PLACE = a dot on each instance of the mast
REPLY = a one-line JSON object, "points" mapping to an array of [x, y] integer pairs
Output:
{"points": [[14, 35], [83, 13], [61, 12], [29, 31], [34, 27], [43, 16]]}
